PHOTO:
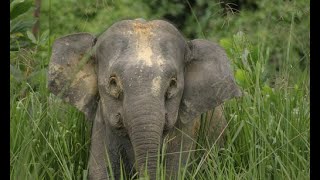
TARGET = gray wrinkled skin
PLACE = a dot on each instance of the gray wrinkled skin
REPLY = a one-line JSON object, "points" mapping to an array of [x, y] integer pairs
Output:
{"points": [[141, 83]]}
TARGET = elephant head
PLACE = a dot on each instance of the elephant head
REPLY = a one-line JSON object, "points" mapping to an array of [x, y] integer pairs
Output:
{"points": [[145, 77]]}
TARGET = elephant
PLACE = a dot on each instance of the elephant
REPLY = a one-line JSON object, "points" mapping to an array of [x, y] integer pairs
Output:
{"points": [[141, 82]]}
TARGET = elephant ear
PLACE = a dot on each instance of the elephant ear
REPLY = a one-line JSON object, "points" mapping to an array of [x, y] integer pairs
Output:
{"points": [[72, 73], [208, 80]]}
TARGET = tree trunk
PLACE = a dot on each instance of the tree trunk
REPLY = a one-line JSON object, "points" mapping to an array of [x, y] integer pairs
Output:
{"points": [[36, 14]]}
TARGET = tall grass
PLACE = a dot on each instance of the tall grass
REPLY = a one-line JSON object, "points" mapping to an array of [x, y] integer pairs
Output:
{"points": [[267, 135]]}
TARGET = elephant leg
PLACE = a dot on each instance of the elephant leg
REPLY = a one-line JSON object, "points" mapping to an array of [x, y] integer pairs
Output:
{"points": [[180, 144], [97, 158], [185, 136], [216, 126], [104, 149]]}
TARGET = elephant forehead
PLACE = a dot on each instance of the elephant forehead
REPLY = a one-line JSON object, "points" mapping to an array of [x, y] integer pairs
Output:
{"points": [[151, 45], [145, 49]]}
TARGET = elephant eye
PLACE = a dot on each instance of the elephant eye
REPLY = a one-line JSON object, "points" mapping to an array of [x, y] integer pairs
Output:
{"points": [[173, 82], [172, 88], [113, 81], [114, 87]]}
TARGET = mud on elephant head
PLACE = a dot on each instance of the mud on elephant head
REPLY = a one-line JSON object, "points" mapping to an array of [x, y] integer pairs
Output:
{"points": [[144, 76]]}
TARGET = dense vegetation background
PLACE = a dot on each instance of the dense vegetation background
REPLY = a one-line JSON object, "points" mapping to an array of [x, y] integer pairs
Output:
{"points": [[267, 42]]}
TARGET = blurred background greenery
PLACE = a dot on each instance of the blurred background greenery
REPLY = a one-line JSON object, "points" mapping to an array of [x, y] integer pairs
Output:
{"points": [[267, 41]]}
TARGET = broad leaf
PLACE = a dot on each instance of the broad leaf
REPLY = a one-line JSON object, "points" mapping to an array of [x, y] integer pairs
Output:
{"points": [[20, 8], [31, 37]]}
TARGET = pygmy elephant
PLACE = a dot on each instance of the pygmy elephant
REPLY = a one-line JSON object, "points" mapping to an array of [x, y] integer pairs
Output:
{"points": [[140, 81]]}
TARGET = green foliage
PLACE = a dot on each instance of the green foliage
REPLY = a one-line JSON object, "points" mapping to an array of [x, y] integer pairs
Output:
{"points": [[19, 23], [88, 16], [268, 127], [19, 8], [272, 121]]}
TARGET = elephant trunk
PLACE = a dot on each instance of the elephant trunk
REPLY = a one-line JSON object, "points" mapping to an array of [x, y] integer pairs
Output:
{"points": [[145, 141], [145, 132]]}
